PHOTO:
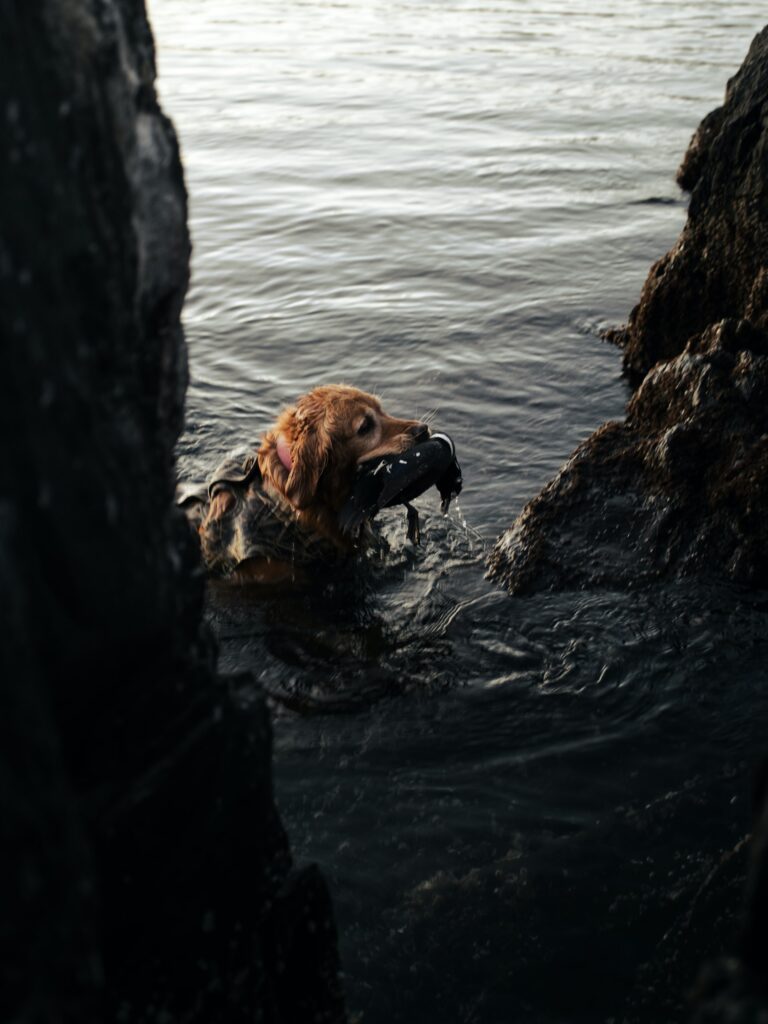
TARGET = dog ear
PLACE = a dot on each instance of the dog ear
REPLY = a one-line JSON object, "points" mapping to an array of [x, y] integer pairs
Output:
{"points": [[310, 454]]}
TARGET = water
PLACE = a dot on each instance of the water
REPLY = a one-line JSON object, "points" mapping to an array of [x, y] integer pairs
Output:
{"points": [[514, 801]]}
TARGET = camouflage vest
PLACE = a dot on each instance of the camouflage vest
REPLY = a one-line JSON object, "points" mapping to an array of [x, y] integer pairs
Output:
{"points": [[260, 525]]}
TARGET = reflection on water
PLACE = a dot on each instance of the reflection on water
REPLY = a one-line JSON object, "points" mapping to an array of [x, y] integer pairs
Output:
{"points": [[514, 800]]}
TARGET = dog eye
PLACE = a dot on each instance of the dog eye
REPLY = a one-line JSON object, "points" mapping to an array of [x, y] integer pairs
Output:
{"points": [[366, 426]]}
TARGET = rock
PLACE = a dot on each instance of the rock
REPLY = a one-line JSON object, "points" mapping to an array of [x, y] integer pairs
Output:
{"points": [[678, 487], [146, 872], [675, 489], [718, 268]]}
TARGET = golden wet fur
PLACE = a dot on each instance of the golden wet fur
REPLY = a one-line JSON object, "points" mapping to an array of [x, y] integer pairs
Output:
{"points": [[328, 432], [324, 437]]}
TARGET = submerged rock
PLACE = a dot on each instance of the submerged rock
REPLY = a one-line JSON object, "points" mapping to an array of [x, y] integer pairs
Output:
{"points": [[146, 875], [680, 485]]}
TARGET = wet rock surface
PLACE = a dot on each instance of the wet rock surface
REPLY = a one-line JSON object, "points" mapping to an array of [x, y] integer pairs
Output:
{"points": [[675, 489], [718, 267], [678, 487], [146, 872]]}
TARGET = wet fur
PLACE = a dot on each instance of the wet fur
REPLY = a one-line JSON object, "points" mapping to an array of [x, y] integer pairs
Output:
{"points": [[327, 437]]}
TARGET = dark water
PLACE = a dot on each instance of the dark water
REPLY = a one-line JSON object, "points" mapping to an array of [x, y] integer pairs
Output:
{"points": [[514, 801]]}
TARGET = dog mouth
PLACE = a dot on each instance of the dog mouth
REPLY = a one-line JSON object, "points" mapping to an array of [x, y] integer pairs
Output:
{"points": [[396, 445], [417, 435]]}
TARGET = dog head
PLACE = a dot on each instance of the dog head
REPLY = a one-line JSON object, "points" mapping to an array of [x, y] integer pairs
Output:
{"points": [[311, 454]]}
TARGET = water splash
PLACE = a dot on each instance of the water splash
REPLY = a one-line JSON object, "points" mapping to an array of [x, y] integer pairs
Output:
{"points": [[459, 520]]}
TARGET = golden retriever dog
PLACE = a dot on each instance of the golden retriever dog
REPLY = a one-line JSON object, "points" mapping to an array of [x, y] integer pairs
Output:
{"points": [[278, 508]]}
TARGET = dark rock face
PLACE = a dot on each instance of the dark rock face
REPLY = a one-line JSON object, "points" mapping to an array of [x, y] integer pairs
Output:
{"points": [[718, 268], [679, 486], [145, 870], [675, 489]]}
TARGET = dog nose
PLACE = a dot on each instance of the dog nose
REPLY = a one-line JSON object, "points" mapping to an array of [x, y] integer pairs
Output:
{"points": [[420, 432]]}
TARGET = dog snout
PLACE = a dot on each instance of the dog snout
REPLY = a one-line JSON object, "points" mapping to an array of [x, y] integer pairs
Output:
{"points": [[419, 432]]}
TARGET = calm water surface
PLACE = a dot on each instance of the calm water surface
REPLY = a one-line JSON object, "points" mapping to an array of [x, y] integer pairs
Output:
{"points": [[515, 801]]}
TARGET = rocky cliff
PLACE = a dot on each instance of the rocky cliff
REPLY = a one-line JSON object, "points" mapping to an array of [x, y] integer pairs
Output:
{"points": [[680, 486], [146, 875]]}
